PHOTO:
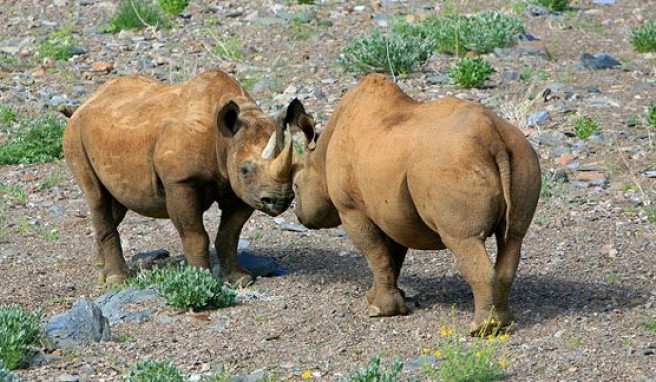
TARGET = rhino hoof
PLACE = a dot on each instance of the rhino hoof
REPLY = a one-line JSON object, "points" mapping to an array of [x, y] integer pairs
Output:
{"points": [[374, 311], [115, 279]]}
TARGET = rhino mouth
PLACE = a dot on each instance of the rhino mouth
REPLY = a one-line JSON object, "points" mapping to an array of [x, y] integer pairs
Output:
{"points": [[274, 206]]}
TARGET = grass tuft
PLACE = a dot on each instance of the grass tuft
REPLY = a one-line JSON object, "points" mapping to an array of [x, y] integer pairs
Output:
{"points": [[173, 7], [374, 373], [153, 371], [58, 45], [584, 126], [554, 5]]}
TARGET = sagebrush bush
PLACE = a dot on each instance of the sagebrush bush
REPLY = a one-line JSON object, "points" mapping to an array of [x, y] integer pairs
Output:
{"points": [[34, 141], [480, 33], [58, 45], [554, 5], [393, 52], [470, 72], [643, 38], [135, 14], [19, 330], [173, 7], [188, 287], [584, 126], [374, 373], [153, 371]]}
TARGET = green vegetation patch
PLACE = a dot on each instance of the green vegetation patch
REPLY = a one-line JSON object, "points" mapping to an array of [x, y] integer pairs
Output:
{"points": [[643, 38], [34, 141], [135, 14], [470, 72], [375, 373], [59, 45], [173, 7], [153, 371], [19, 330], [480, 33], [393, 52], [187, 287], [584, 126], [554, 5], [651, 115]]}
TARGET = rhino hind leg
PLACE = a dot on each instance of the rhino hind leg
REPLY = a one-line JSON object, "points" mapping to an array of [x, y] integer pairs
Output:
{"points": [[385, 259], [476, 268], [106, 214], [505, 268]]}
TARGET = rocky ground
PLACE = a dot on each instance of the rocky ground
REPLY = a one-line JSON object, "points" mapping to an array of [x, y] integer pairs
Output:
{"points": [[585, 286]]}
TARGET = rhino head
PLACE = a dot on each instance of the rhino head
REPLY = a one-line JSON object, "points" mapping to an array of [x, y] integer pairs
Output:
{"points": [[260, 154], [313, 208]]}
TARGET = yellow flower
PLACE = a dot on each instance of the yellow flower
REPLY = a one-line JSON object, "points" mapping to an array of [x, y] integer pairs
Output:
{"points": [[444, 331], [307, 374], [425, 351], [504, 336], [437, 353], [502, 363], [478, 354]]}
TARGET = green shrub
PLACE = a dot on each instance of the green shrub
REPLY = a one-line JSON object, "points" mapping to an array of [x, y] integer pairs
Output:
{"points": [[8, 376], [305, 2], [35, 141], [584, 126], [651, 115], [19, 329], [463, 361], [393, 52], [644, 38], [479, 33], [188, 287], [374, 373], [470, 72], [650, 325], [228, 48], [135, 14], [58, 45], [554, 5], [153, 371], [173, 7]]}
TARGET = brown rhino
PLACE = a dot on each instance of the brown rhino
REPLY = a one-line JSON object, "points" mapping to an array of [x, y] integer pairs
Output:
{"points": [[171, 151], [400, 174]]}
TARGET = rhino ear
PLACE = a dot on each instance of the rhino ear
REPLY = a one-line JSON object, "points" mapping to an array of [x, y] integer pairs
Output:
{"points": [[297, 117], [227, 120]]}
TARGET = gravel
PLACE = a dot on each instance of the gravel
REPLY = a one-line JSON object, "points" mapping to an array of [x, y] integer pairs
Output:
{"points": [[585, 286]]}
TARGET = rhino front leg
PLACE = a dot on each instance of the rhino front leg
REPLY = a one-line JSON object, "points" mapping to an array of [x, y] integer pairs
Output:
{"points": [[233, 217], [385, 259], [186, 213]]}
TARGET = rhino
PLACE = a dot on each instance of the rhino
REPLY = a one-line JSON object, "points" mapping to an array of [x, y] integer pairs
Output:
{"points": [[171, 151], [399, 174]]}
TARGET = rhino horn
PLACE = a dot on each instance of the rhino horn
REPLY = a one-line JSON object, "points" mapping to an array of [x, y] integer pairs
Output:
{"points": [[281, 167]]}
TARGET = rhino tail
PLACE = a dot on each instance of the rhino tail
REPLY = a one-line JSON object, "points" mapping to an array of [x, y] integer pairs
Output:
{"points": [[67, 110], [503, 163]]}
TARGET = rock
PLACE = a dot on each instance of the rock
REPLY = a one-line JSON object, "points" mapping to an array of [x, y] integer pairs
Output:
{"points": [[604, 2], [147, 260], [60, 3], [535, 118], [440, 79], [102, 66], [418, 363], [510, 75], [263, 266], [599, 61], [294, 227], [535, 10], [525, 48], [84, 323], [68, 378], [110, 303]]}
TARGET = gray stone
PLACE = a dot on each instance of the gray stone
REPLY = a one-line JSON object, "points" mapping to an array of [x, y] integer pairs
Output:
{"points": [[110, 303], [510, 75], [263, 266], [535, 118], [440, 79], [604, 2], [294, 227], [535, 10], [419, 362], [84, 323], [68, 378], [599, 61]]}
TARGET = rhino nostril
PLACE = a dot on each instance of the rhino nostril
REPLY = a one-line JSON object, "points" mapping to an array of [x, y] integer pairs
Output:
{"points": [[268, 201]]}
